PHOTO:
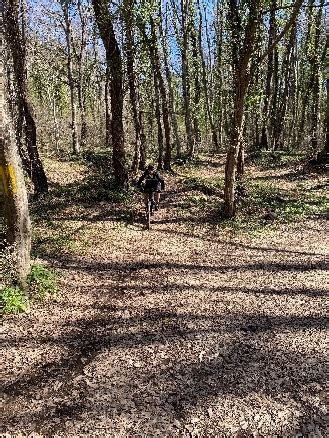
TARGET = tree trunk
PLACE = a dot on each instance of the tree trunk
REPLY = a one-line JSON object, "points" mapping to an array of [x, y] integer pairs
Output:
{"points": [[151, 42], [270, 61], [17, 220], [108, 141], [186, 81], [68, 36], [81, 88], [158, 119], [283, 97], [316, 61], [155, 59], [114, 63], [241, 77], [171, 99], [325, 150], [205, 86], [140, 138], [17, 49], [197, 90], [55, 119], [219, 74]]}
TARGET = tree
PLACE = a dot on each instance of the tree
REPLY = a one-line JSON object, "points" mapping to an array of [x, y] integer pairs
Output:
{"points": [[17, 49], [115, 78], [242, 50], [205, 84], [243, 42], [185, 27], [67, 26], [17, 220], [140, 140]]}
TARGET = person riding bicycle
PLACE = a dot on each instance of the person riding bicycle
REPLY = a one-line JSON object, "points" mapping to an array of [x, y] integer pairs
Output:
{"points": [[153, 182]]}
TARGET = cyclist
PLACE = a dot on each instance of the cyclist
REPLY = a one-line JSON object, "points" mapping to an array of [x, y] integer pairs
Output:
{"points": [[154, 182]]}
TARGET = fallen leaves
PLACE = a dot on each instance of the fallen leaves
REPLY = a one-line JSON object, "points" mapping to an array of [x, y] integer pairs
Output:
{"points": [[180, 331]]}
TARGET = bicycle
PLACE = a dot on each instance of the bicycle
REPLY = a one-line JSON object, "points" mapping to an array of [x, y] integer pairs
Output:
{"points": [[149, 208], [150, 187]]}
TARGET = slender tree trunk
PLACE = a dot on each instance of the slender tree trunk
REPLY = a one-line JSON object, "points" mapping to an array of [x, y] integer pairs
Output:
{"points": [[306, 80], [325, 151], [186, 80], [114, 64], [197, 90], [270, 62], [16, 213], [107, 108], [158, 120], [241, 77], [171, 99], [283, 98], [56, 131], [219, 74], [68, 36], [205, 86], [316, 61], [164, 102], [81, 87], [140, 138], [159, 83]]}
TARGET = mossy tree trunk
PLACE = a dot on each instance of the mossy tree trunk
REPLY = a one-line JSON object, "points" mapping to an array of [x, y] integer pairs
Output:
{"points": [[16, 213]]}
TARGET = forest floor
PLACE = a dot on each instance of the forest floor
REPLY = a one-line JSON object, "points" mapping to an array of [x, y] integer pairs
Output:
{"points": [[198, 327]]}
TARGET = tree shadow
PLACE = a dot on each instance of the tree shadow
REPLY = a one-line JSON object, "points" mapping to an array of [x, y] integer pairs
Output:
{"points": [[246, 362], [70, 263], [215, 239]]}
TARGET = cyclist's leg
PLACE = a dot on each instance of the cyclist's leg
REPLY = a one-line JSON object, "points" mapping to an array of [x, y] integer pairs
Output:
{"points": [[146, 198], [157, 197]]}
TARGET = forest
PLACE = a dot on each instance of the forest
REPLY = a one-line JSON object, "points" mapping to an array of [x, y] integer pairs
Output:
{"points": [[195, 308]]}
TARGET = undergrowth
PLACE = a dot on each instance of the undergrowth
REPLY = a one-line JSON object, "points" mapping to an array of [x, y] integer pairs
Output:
{"points": [[13, 300], [264, 205], [41, 285], [270, 160], [260, 204]]}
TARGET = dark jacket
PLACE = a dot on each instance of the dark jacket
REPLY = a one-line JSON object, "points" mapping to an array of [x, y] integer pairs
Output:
{"points": [[153, 181]]}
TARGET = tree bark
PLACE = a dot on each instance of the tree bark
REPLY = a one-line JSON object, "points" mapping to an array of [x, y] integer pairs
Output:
{"points": [[17, 49], [240, 64], [114, 64], [17, 220], [158, 120], [269, 75], [68, 36], [316, 61], [285, 86], [140, 139], [164, 160], [197, 90], [81, 88], [162, 89], [171, 99], [186, 80], [205, 86]]}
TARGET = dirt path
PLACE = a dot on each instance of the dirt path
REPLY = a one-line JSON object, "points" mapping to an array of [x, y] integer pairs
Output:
{"points": [[174, 332]]}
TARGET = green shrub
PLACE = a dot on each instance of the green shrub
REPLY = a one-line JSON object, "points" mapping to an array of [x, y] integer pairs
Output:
{"points": [[13, 300], [42, 282]]}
